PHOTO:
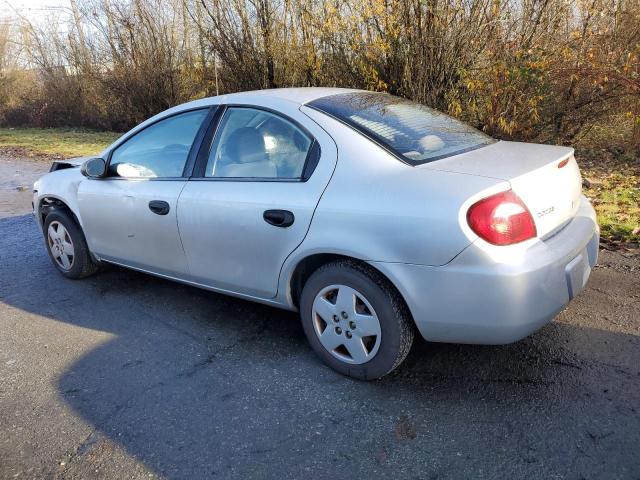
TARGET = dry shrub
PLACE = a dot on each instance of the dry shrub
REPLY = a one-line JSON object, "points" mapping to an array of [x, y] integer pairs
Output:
{"points": [[544, 70]]}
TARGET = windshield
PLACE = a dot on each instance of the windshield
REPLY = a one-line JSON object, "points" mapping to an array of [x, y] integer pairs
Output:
{"points": [[414, 132]]}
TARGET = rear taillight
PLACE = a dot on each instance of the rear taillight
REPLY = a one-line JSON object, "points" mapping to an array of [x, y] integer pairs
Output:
{"points": [[501, 219]]}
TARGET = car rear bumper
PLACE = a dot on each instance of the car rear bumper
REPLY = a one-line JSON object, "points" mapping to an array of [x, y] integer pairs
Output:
{"points": [[481, 298]]}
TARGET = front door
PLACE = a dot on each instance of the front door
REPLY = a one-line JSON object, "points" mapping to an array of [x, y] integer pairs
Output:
{"points": [[253, 200], [130, 216]]}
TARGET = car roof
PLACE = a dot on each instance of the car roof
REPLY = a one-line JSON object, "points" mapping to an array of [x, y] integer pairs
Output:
{"points": [[296, 95], [299, 95]]}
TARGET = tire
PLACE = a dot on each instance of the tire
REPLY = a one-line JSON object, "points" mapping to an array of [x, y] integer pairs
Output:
{"points": [[374, 298], [79, 263]]}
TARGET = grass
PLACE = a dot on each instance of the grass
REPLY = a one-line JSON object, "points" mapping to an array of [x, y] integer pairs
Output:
{"points": [[615, 194], [58, 142], [610, 161], [614, 180]]}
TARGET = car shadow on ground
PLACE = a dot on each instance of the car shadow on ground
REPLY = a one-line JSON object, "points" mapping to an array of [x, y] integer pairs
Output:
{"points": [[194, 384]]}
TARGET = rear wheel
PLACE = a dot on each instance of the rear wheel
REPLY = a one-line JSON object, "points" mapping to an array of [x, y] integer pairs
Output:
{"points": [[355, 320], [67, 246]]}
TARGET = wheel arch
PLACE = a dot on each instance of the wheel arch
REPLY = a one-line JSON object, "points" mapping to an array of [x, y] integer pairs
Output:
{"points": [[307, 265], [48, 203]]}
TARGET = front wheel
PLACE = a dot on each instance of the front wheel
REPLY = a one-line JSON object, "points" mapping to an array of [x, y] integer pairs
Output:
{"points": [[355, 320], [67, 246]]}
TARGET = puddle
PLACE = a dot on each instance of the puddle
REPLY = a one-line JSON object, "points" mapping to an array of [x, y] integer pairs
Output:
{"points": [[14, 174]]}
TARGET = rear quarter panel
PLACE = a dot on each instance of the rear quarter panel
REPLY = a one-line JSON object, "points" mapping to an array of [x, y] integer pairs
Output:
{"points": [[377, 208]]}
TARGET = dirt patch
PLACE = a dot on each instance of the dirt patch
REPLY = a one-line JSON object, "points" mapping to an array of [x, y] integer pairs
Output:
{"points": [[22, 153]]}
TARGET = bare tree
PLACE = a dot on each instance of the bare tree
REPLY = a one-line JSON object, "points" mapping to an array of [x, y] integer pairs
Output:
{"points": [[529, 69]]}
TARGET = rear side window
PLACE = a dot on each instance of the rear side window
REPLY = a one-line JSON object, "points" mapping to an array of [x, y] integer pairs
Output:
{"points": [[415, 133], [254, 143]]}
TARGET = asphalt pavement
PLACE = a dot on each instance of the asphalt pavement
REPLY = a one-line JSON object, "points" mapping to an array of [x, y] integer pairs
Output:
{"points": [[124, 375]]}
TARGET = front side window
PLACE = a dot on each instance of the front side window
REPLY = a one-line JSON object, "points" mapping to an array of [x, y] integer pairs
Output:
{"points": [[253, 143], [416, 133], [160, 150]]}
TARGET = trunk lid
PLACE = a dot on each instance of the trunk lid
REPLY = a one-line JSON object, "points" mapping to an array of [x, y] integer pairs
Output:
{"points": [[545, 177]]}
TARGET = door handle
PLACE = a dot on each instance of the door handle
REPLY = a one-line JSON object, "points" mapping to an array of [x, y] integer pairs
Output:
{"points": [[279, 218], [159, 207]]}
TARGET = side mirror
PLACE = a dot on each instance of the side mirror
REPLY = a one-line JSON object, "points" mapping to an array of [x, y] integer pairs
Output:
{"points": [[94, 168]]}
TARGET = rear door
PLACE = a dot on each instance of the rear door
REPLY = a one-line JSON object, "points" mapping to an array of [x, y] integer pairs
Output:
{"points": [[130, 216], [253, 195]]}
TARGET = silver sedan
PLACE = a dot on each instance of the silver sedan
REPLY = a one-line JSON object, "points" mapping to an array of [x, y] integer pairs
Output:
{"points": [[372, 216]]}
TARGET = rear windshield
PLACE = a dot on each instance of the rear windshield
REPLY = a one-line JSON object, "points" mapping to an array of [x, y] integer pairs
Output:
{"points": [[415, 133]]}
